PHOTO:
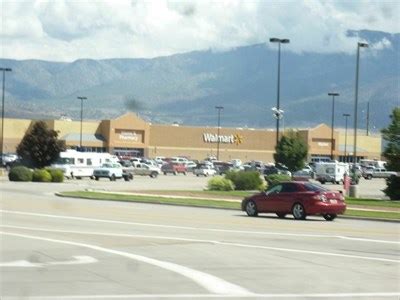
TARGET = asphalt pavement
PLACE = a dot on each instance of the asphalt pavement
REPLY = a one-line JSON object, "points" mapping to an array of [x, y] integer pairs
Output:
{"points": [[60, 248]]}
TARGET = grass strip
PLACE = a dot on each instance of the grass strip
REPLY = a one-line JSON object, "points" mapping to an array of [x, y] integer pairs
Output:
{"points": [[372, 202], [206, 203], [372, 214], [154, 199]]}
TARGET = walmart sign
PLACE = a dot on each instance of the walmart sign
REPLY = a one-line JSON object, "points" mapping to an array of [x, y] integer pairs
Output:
{"points": [[226, 139]]}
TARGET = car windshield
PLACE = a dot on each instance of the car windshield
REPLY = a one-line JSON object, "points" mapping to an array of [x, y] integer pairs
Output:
{"points": [[107, 166], [315, 187]]}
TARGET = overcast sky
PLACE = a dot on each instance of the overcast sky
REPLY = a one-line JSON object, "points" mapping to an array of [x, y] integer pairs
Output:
{"points": [[64, 30]]}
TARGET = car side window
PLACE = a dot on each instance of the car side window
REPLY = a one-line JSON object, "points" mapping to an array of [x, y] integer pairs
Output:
{"points": [[289, 188], [275, 190]]}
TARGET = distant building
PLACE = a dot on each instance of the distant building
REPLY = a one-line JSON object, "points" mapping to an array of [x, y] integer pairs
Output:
{"points": [[129, 135]]}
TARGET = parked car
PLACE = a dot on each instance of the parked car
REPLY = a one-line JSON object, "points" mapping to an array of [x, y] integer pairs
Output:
{"points": [[174, 168], [378, 173], [300, 199], [204, 170], [223, 167], [146, 170], [111, 171], [302, 175]]}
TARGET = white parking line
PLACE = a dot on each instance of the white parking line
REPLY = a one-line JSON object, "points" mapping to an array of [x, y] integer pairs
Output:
{"points": [[208, 241], [198, 228], [211, 283], [179, 296], [78, 260]]}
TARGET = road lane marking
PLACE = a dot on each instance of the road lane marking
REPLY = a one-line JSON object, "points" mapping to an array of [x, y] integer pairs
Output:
{"points": [[176, 296], [206, 241], [211, 283], [198, 228], [78, 260]]}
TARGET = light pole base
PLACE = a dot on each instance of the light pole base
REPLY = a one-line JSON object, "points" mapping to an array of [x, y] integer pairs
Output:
{"points": [[353, 192]]}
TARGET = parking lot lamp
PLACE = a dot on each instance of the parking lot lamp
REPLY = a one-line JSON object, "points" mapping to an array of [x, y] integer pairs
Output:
{"points": [[359, 45], [345, 137], [4, 70], [80, 141], [333, 119], [278, 104], [219, 108]]}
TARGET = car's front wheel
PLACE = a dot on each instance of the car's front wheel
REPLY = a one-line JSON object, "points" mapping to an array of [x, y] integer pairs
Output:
{"points": [[329, 217], [251, 209], [298, 212], [153, 175]]}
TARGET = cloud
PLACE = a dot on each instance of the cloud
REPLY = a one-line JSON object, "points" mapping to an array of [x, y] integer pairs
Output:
{"points": [[67, 30]]}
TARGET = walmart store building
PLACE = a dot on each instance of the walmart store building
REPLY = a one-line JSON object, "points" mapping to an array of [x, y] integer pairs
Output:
{"points": [[130, 135]]}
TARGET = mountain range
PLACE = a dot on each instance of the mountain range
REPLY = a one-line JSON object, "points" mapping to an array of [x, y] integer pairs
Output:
{"points": [[185, 88]]}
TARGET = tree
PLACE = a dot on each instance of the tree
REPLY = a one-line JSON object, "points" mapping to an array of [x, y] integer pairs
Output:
{"points": [[391, 134], [40, 146], [291, 151]]}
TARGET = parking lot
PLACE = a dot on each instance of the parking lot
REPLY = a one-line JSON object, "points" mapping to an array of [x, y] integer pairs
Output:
{"points": [[367, 188]]}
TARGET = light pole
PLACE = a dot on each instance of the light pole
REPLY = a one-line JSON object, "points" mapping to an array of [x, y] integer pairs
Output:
{"points": [[219, 108], [333, 119], [359, 45], [278, 104], [345, 138], [4, 70], [81, 98]]}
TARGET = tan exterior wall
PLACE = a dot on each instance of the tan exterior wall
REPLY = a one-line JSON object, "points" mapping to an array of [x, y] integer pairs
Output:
{"points": [[190, 141], [129, 131], [371, 144], [14, 131]]}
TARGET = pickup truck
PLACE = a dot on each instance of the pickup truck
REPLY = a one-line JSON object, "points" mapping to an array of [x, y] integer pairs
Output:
{"points": [[145, 170], [174, 168], [378, 173], [111, 171], [204, 170]]}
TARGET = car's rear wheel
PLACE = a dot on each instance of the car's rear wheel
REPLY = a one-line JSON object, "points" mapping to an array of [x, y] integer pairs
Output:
{"points": [[165, 173], [281, 215], [329, 217], [97, 178], [369, 176], [251, 209], [175, 173], [298, 211]]}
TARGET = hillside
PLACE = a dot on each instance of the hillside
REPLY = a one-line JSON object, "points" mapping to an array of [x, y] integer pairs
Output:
{"points": [[185, 87]]}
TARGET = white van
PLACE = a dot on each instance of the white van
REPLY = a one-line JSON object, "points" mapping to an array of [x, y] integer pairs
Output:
{"points": [[331, 172], [75, 164]]}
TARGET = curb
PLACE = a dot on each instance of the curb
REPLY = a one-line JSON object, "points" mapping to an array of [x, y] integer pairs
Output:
{"points": [[222, 208]]}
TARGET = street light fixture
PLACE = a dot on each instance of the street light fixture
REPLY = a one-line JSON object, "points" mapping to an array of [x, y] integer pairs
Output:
{"points": [[279, 41], [4, 70], [359, 45], [333, 119], [219, 108], [345, 138], [81, 98]]}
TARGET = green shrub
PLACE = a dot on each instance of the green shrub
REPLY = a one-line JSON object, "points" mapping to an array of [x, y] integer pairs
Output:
{"points": [[20, 173], [245, 180], [393, 187], [219, 183], [41, 175], [276, 178], [57, 175]]}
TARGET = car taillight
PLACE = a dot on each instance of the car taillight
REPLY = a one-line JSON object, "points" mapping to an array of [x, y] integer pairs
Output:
{"points": [[321, 197]]}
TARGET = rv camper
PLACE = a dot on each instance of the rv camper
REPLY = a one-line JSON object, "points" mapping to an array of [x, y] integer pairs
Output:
{"points": [[331, 172], [76, 164]]}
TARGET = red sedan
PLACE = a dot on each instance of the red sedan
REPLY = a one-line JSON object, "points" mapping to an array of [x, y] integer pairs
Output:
{"points": [[300, 199]]}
